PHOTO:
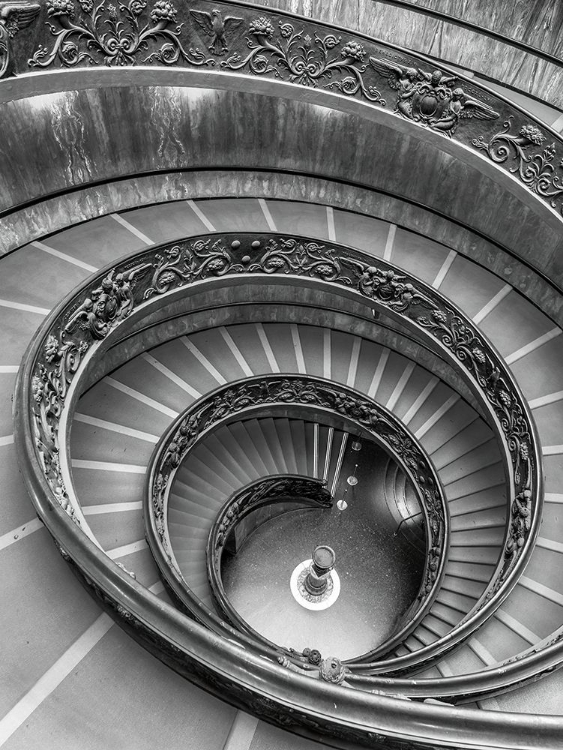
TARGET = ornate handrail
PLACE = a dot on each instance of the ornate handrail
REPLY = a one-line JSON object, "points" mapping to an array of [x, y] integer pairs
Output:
{"points": [[256, 41], [85, 324], [243, 399], [296, 490]]}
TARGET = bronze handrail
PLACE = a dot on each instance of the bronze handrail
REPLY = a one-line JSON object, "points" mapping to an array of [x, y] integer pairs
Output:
{"points": [[48, 382], [278, 45], [245, 398]]}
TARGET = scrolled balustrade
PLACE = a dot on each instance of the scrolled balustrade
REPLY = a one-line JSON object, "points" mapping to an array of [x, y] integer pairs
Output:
{"points": [[234, 38], [89, 321], [266, 394]]}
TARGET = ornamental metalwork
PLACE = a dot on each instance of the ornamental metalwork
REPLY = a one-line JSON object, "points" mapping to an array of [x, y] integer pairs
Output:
{"points": [[310, 60], [111, 34], [73, 332], [110, 300], [540, 169], [296, 490], [432, 99], [466, 344], [266, 391], [14, 16], [233, 38], [261, 492], [330, 669]]}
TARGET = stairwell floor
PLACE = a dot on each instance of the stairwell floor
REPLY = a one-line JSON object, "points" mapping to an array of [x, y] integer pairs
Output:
{"points": [[380, 575]]}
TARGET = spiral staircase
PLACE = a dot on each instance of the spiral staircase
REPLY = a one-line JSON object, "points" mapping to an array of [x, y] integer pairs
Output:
{"points": [[234, 241]]}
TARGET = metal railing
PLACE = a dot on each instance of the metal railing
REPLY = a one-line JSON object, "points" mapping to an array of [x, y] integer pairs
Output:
{"points": [[83, 327]]}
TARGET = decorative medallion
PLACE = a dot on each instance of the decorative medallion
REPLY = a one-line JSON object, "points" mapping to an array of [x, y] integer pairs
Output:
{"points": [[431, 99]]}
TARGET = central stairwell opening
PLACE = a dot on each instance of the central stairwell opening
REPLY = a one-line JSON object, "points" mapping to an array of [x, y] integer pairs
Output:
{"points": [[380, 571]]}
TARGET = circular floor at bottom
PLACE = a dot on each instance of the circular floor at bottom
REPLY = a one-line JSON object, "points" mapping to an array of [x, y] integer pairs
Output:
{"points": [[380, 576]]}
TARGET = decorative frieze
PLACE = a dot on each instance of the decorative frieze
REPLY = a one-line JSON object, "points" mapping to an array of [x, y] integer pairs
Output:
{"points": [[234, 38], [71, 335], [271, 392]]}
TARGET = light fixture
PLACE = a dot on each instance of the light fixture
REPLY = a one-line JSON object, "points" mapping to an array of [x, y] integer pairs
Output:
{"points": [[353, 480]]}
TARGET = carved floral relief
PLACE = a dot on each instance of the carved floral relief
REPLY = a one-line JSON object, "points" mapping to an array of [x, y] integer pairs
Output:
{"points": [[112, 298], [114, 34], [540, 169]]}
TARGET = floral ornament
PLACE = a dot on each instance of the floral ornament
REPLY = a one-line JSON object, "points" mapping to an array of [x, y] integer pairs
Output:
{"points": [[535, 169], [387, 286], [114, 35], [108, 301], [261, 27], [505, 399], [312, 655], [304, 259], [530, 134], [432, 570], [37, 388], [353, 51], [432, 99], [200, 260], [108, 304], [520, 524], [60, 8], [137, 6], [306, 60], [286, 390], [464, 342], [479, 355], [51, 348], [163, 12], [332, 670]]}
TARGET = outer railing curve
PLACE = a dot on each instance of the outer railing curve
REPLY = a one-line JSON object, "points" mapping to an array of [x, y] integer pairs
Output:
{"points": [[49, 379], [265, 43]]}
